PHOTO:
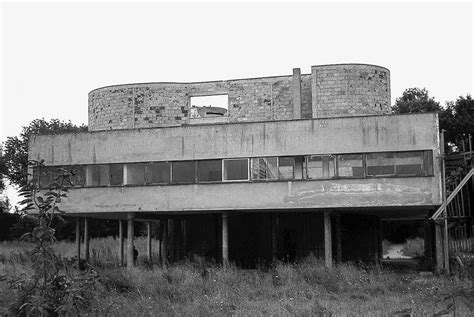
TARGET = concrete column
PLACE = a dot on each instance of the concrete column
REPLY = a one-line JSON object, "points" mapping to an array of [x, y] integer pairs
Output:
{"points": [[428, 240], [380, 236], [439, 247], [148, 236], [86, 239], [338, 238], [296, 87], [121, 239], [164, 243], [377, 255], [177, 238], [130, 238], [170, 245], [274, 219], [225, 241], [184, 237], [78, 241], [327, 240]]}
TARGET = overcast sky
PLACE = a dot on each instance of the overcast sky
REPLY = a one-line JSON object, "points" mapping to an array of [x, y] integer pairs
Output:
{"points": [[53, 54]]}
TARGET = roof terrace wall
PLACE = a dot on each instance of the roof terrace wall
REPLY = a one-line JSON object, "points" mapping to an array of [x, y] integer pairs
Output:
{"points": [[329, 91]]}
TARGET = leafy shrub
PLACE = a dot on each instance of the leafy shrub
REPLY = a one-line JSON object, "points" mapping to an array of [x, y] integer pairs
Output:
{"points": [[414, 248]]}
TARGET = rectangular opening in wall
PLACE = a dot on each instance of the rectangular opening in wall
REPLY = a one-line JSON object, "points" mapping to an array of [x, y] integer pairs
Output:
{"points": [[210, 171], [264, 168], [209, 106], [183, 172], [116, 174], [236, 169], [350, 165], [299, 167], [380, 164], [320, 166], [158, 173], [136, 174]]}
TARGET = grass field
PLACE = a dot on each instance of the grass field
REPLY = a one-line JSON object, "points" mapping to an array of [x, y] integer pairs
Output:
{"points": [[306, 289]]}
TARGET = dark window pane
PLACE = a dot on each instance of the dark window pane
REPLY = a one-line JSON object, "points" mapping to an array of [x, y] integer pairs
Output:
{"points": [[136, 173], [350, 165], [183, 172], [409, 163], [427, 163], [320, 166], [380, 164], [210, 171], [264, 168], [47, 176], [236, 169], [158, 173], [99, 175], [116, 174], [286, 167]]}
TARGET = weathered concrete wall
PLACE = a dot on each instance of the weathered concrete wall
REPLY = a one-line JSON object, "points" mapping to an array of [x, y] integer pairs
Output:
{"points": [[342, 193], [298, 137], [330, 91], [350, 90], [167, 104]]}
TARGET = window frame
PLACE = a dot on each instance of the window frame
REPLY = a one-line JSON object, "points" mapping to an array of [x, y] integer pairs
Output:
{"points": [[235, 180], [334, 159], [170, 168], [198, 181], [194, 181]]}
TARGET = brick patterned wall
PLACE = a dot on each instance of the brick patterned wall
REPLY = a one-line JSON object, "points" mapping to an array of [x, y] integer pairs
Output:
{"points": [[329, 91], [167, 104], [350, 90]]}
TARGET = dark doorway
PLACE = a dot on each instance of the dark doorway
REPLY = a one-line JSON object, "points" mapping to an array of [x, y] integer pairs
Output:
{"points": [[250, 243]]}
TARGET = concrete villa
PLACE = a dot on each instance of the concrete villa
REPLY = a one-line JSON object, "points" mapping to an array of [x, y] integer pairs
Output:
{"points": [[274, 168]]}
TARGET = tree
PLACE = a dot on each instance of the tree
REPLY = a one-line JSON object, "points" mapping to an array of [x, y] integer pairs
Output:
{"points": [[458, 121], [52, 289], [15, 149], [415, 100]]}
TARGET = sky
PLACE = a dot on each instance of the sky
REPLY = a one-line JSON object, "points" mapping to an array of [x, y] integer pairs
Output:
{"points": [[54, 53]]}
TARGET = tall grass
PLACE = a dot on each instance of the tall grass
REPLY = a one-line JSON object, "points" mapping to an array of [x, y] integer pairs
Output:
{"points": [[307, 288]]}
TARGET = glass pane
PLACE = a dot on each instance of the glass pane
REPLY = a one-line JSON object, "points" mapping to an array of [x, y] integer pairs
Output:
{"points": [[427, 163], [379, 164], [409, 163], [47, 176], [158, 173], [210, 171], [116, 174], [99, 175], [350, 165], [78, 178], [264, 168], [320, 166], [183, 172], [136, 173], [236, 169], [286, 167]]}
